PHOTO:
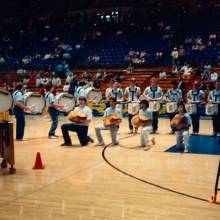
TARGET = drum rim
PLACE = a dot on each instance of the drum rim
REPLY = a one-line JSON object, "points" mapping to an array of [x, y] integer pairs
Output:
{"points": [[12, 101], [63, 94], [28, 97], [96, 92]]}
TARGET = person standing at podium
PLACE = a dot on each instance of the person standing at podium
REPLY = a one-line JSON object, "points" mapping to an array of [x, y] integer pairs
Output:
{"points": [[19, 108]]}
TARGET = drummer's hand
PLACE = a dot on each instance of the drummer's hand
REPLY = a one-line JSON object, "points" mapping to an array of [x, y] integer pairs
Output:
{"points": [[26, 108]]}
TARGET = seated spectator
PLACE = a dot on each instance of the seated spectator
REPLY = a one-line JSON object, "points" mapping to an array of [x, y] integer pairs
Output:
{"points": [[66, 56], [174, 71], [187, 70], [56, 81], [162, 74], [188, 40], [27, 59], [70, 77], [21, 72], [206, 71], [66, 87], [26, 80], [45, 80], [214, 76], [39, 80], [2, 60]]}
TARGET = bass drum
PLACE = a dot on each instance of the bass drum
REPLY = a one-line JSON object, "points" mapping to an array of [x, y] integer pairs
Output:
{"points": [[191, 108], [171, 107], [94, 96], [34, 101], [133, 108], [154, 106], [67, 100], [211, 109], [6, 100]]}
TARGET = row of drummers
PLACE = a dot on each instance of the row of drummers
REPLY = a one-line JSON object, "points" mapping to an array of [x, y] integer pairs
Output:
{"points": [[154, 94]]}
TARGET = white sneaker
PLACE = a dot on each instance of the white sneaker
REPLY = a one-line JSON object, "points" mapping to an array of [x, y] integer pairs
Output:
{"points": [[23, 139], [186, 150], [52, 137], [130, 132], [147, 147]]}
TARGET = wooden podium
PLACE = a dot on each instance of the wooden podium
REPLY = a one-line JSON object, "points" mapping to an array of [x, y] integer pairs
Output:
{"points": [[7, 145]]}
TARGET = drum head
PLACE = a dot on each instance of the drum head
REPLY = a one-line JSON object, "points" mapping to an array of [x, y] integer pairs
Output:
{"points": [[5, 100], [35, 102], [67, 101], [95, 96]]}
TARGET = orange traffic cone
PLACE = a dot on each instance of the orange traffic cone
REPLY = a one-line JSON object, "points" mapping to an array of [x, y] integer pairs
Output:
{"points": [[38, 162]]}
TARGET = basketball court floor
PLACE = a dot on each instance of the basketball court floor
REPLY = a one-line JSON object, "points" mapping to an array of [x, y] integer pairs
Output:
{"points": [[123, 182]]}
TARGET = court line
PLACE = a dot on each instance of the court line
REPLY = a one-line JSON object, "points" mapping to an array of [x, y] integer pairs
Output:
{"points": [[146, 181]]}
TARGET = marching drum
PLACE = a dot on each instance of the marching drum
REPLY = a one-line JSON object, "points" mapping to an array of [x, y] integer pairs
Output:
{"points": [[211, 109], [34, 101], [171, 107], [154, 106], [6, 100], [94, 95], [191, 108], [133, 108], [66, 100]]}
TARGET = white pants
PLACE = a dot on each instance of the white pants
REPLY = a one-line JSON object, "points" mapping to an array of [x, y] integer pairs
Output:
{"points": [[113, 132], [145, 135], [182, 138]]}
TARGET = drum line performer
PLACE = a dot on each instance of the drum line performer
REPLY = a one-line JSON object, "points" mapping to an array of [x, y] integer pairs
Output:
{"points": [[113, 128], [214, 97], [146, 140], [19, 111], [53, 110], [182, 127], [173, 95], [132, 93], [195, 96], [154, 93], [80, 127]]}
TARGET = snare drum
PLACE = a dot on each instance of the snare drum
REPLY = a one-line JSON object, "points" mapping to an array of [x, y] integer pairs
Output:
{"points": [[66, 100], [6, 100], [34, 101], [154, 106], [171, 107], [95, 96], [211, 109], [191, 108], [133, 108]]}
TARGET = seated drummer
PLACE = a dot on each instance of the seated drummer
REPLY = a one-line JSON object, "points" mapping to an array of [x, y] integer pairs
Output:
{"points": [[146, 129], [182, 128], [113, 128], [80, 127]]}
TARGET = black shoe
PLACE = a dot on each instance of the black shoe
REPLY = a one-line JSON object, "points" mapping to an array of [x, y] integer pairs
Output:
{"points": [[65, 144], [91, 140]]}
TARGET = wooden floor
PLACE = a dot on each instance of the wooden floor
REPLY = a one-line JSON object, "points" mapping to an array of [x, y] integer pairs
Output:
{"points": [[77, 184]]}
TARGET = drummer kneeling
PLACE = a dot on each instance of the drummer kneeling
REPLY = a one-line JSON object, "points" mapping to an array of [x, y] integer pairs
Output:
{"points": [[181, 123], [81, 117], [145, 117]]}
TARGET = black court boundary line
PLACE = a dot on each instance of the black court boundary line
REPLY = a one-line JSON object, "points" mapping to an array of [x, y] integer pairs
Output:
{"points": [[148, 182]]}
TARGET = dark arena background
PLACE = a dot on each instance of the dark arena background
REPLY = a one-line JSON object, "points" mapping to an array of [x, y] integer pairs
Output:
{"points": [[110, 110]]}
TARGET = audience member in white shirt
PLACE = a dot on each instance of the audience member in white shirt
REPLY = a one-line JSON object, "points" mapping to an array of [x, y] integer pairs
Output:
{"points": [[56, 81], [162, 74], [214, 76]]}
